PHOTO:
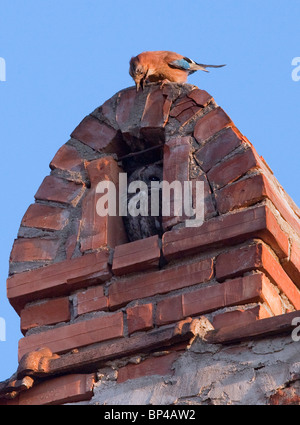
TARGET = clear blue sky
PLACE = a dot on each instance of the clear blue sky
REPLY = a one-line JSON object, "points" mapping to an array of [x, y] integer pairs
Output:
{"points": [[65, 58]]}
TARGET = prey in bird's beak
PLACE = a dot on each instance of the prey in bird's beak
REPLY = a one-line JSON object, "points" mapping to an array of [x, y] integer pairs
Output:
{"points": [[139, 82]]}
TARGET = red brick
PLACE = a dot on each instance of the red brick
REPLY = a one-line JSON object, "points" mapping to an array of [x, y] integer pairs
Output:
{"points": [[67, 158], [126, 103], [242, 193], [292, 266], [107, 110], [49, 312], [281, 324], [226, 230], [187, 114], [156, 112], [169, 310], [239, 291], [60, 190], [242, 317], [34, 249], [245, 290], [232, 168], [210, 124], [253, 189], [201, 97], [97, 231], [57, 279], [257, 257], [45, 217], [71, 241], [76, 335], [161, 365], [136, 256], [209, 204], [160, 282], [239, 260], [139, 318], [215, 150], [93, 299], [98, 136], [287, 396], [178, 109], [63, 389], [176, 168]]}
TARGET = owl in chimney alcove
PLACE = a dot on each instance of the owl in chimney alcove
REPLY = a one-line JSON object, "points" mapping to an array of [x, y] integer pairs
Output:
{"points": [[143, 226]]}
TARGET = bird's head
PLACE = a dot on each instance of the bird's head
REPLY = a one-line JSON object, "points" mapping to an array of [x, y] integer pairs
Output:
{"points": [[137, 72]]}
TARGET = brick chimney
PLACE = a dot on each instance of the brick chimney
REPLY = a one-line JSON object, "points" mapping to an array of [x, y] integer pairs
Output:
{"points": [[201, 315]]}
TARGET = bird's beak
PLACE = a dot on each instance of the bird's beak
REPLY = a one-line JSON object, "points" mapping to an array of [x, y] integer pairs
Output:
{"points": [[138, 84]]}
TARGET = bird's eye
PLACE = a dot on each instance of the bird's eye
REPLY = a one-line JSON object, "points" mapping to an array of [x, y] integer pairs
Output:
{"points": [[154, 179]]}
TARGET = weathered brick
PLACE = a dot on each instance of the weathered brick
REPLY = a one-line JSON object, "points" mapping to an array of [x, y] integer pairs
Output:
{"points": [[210, 124], [67, 158], [49, 312], [201, 97], [76, 335], [238, 261], [125, 105], [292, 266], [100, 231], [176, 168], [155, 115], [60, 390], [152, 366], [57, 279], [252, 288], [240, 316], [139, 318], [232, 168], [239, 291], [92, 299], [45, 217], [243, 193], [209, 204], [226, 230], [140, 255], [34, 249], [60, 190], [253, 189], [187, 114], [72, 240], [169, 310], [98, 136], [216, 149], [257, 257], [257, 329], [160, 282], [182, 106], [287, 396]]}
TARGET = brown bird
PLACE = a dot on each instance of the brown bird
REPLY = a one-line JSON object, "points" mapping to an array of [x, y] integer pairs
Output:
{"points": [[163, 66]]}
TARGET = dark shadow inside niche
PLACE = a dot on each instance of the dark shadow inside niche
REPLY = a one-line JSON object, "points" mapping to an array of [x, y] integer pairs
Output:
{"points": [[145, 165]]}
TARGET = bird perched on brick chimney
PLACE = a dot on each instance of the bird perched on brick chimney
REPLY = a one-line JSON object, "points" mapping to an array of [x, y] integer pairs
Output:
{"points": [[163, 66]]}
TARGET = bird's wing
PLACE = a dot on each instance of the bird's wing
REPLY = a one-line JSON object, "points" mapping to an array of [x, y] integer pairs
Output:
{"points": [[183, 64], [187, 64]]}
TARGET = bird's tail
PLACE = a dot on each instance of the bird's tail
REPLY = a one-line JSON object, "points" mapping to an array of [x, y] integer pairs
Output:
{"points": [[202, 67]]}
